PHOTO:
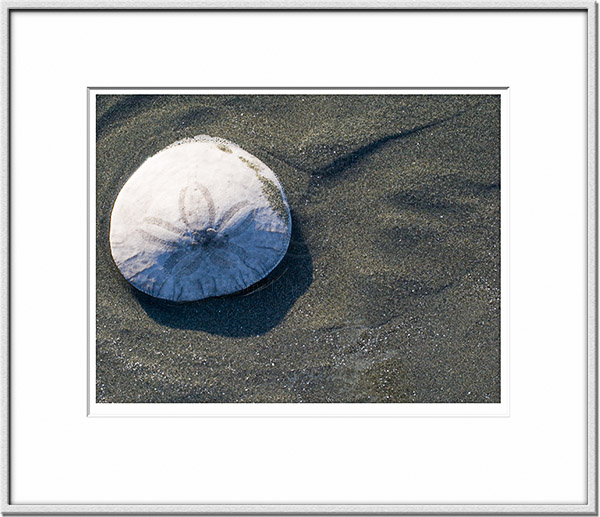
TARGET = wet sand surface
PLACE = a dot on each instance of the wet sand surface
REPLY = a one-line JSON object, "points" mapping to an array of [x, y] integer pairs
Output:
{"points": [[390, 290]]}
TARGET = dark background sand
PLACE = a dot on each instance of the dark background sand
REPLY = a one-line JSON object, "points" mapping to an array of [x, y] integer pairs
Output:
{"points": [[390, 291]]}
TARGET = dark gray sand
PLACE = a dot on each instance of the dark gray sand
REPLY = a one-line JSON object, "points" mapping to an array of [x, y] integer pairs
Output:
{"points": [[390, 291]]}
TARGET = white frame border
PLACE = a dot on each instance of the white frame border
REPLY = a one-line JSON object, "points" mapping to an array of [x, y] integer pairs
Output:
{"points": [[590, 508], [327, 410]]}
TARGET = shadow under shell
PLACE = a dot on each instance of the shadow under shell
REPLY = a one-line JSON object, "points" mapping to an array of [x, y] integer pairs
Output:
{"points": [[253, 311]]}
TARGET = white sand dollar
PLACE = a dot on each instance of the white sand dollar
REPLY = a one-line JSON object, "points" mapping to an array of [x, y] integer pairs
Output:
{"points": [[200, 218]]}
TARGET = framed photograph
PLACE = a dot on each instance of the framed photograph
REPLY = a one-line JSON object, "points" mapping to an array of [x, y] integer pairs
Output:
{"points": [[238, 276], [267, 259]]}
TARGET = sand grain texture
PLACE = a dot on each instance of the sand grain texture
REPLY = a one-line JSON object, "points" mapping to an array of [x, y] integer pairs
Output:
{"points": [[390, 290]]}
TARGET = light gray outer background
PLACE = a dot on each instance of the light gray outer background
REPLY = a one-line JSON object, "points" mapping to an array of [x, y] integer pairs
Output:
{"points": [[590, 508]]}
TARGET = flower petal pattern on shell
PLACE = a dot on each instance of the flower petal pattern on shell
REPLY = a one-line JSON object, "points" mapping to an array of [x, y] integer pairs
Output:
{"points": [[200, 218]]}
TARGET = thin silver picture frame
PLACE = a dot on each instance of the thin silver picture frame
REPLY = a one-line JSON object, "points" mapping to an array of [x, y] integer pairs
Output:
{"points": [[590, 508]]}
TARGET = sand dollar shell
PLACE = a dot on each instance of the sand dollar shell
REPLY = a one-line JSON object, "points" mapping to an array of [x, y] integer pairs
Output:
{"points": [[200, 218]]}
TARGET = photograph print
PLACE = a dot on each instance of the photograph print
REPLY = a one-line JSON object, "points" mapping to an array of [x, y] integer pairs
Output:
{"points": [[296, 247]]}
